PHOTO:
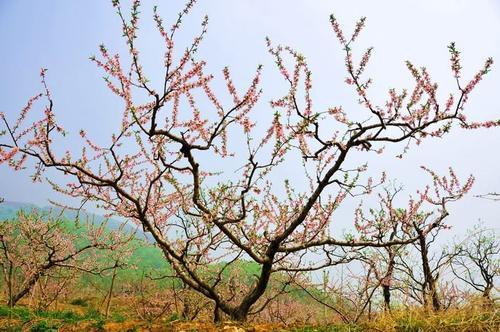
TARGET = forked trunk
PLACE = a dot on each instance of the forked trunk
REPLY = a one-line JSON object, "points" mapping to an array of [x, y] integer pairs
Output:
{"points": [[29, 286]]}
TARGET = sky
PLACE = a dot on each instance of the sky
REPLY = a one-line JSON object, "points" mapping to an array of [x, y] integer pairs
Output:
{"points": [[60, 35]]}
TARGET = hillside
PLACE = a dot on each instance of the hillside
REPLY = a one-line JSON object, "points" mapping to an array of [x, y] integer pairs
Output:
{"points": [[146, 257], [9, 210]]}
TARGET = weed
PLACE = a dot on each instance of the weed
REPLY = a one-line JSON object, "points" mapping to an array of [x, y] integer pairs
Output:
{"points": [[44, 326], [79, 302]]}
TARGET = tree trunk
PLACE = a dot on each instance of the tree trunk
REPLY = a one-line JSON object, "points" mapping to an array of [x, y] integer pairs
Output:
{"points": [[10, 286], [387, 297], [240, 313], [386, 286], [14, 299], [487, 292], [217, 314], [488, 302], [110, 292], [429, 289], [436, 303]]}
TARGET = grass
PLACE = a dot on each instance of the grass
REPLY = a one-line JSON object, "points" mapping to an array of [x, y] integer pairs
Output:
{"points": [[329, 328], [19, 318], [80, 302], [472, 319]]}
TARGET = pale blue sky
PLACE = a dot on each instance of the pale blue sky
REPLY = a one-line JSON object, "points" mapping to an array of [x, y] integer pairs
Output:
{"points": [[60, 35]]}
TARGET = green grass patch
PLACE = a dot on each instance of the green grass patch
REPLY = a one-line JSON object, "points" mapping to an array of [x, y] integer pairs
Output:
{"points": [[330, 328]]}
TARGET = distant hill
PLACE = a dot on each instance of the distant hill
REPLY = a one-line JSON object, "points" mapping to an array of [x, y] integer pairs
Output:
{"points": [[9, 210]]}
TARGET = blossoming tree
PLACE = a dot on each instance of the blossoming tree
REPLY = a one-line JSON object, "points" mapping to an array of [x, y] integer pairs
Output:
{"points": [[158, 169], [35, 246], [419, 219], [476, 261]]}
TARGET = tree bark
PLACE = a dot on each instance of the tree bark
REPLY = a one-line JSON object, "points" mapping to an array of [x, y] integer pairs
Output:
{"points": [[14, 299], [387, 297], [110, 292], [429, 289], [217, 314]]}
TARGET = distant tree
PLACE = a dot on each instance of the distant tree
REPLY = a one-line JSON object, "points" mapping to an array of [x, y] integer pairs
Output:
{"points": [[386, 223], [421, 280], [167, 168], [477, 260], [32, 247], [117, 259], [423, 218], [150, 301], [421, 276]]}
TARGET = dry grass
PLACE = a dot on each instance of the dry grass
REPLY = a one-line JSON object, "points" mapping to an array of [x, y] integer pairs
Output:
{"points": [[474, 317], [469, 319]]}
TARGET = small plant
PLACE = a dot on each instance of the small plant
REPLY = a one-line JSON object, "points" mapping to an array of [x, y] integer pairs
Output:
{"points": [[79, 302], [173, 317], [118, 318], [99, 324], [44, 326], [93, 314], [18, 313]]}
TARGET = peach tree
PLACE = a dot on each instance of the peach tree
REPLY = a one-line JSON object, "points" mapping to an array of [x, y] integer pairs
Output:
{"points": [[166, 167]]}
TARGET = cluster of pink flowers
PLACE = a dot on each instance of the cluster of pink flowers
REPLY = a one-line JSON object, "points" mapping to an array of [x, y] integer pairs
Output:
{"points": [[447, 187], [477, 78], [6, 155], [338, 30], [455, 60], [230, 86], [359, 26], [25, 111], [339, 114], [364, 61]]}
